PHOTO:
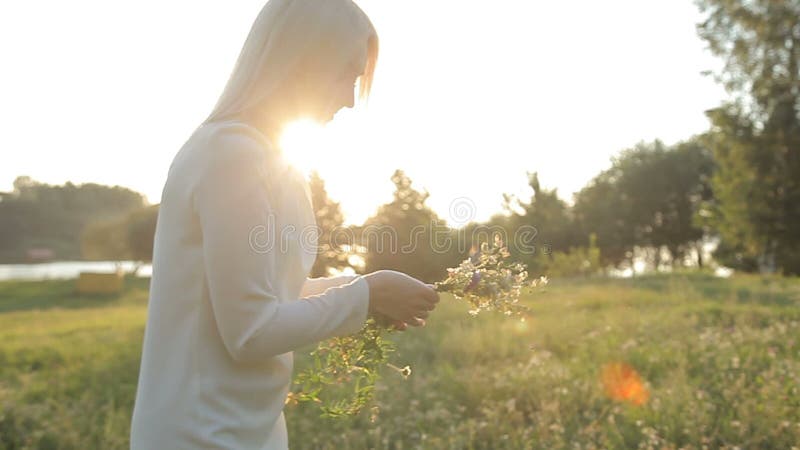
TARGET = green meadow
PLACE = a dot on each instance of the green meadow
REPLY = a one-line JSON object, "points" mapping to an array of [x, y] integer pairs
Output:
{"points": [[720, 359]]}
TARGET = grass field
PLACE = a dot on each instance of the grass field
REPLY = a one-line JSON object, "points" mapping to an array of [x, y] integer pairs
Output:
{"points": [[720, 359]]}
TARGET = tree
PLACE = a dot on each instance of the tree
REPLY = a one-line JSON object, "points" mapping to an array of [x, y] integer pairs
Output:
{"points": [[40, 215], [332, 251], [664, 187], [141, 230], [689, 166], [402, 235], [755, 137], [105, 240], [547, 216], [648, 199], [602, 210], [127, 237]]}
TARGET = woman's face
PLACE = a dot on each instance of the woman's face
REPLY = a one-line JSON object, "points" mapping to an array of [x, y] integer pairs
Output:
{"points": [[341, 89], [318, 94], [342, 95]]}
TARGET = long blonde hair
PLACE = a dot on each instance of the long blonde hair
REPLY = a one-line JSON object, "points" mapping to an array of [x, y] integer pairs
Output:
{"points": [[293, 35]]}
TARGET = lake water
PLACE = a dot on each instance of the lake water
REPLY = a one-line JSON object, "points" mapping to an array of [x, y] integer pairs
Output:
{"points": [[65, 269], [71, 269]]}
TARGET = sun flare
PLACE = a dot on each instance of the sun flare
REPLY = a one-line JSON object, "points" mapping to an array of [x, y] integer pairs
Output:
{"points": [[301, 142], [335, 150]]}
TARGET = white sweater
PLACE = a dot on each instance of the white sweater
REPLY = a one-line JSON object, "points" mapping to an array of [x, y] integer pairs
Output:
{"points": [[229, 297]]}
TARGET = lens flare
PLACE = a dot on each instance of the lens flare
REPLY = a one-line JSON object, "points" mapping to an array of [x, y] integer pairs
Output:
{"points": [[622, 383], [302, 142]]}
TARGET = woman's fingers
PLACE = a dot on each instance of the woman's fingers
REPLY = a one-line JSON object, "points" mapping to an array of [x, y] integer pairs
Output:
{"points": [[423, 304], [420, 309], [430, 294], [400, 325], [416, 322], [410, 316]]}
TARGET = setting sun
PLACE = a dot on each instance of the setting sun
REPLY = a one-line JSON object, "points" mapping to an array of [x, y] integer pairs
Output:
{"points": [[340, 151], [301, 142]]}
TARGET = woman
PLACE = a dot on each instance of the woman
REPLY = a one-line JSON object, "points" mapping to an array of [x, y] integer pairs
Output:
{"points": [[229, 297]]}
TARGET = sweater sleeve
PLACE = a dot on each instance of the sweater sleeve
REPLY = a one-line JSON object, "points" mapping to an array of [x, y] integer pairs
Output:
{"points": [[315, 286], [231, 199]]}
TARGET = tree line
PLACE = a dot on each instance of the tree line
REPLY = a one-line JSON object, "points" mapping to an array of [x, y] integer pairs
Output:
{"points": [[36, 215], [736, 186]]}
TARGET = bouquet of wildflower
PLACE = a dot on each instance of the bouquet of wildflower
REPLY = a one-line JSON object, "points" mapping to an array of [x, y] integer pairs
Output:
{"points": [[488, 282], [344, 370]]}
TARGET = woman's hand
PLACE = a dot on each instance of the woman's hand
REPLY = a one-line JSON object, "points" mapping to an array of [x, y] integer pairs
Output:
{"points": [[386, 322], [401, 299]]}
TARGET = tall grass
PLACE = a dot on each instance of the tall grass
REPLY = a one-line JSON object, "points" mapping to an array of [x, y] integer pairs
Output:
{"points": [[720, 358]]}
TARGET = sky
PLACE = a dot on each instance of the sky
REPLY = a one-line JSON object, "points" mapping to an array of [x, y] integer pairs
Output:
{"points": [[467, 97]]}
